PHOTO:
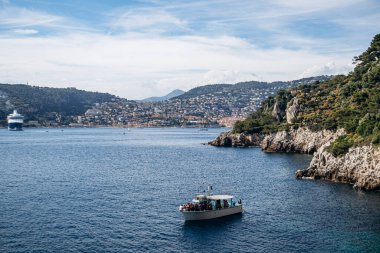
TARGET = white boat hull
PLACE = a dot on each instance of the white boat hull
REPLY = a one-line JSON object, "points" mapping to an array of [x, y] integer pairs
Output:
{"points": [[212, 214]]}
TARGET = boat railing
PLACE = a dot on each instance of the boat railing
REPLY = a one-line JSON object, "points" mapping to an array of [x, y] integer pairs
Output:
{"points": [[190, 207]]}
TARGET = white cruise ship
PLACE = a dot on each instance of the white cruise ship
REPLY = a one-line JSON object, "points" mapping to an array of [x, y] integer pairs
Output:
{"points": [[15, 121]]}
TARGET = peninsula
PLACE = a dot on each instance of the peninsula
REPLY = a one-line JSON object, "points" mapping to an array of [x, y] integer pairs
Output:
{"points": [[338, 121]]}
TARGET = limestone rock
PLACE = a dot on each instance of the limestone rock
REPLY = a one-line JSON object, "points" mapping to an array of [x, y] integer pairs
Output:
{"points": [[292, 109], [360, 167], [228, 139], [277, 113], [299, 174], [301, 140]]}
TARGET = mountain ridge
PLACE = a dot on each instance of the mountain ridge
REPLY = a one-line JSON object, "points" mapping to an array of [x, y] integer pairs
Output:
{"points": [[216, 88], [172, 94]]}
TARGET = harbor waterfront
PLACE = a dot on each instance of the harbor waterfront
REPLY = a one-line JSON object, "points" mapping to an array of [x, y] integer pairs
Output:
{"points": [[107, 190]]}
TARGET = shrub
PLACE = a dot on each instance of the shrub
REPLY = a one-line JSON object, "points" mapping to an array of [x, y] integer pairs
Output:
{"points": [[376, 139], [330, 124], [340, 146]]}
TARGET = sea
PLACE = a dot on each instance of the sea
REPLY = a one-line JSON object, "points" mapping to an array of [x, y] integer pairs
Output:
{"points": [[114, 190]]}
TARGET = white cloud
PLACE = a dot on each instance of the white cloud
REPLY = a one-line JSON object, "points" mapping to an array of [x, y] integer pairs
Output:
{"points": [[21, 17], [18, 19], [139, 66], [146, 19], [330, 68], [25, 31], [228, 76], [313, 6], [145, 53]]}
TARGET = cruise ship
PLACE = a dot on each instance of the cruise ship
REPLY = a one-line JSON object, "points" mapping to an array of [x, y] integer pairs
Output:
{"points": [[15, 121]]}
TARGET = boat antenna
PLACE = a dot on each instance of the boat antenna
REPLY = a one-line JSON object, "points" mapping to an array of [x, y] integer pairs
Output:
{"points": [[209, 190]]}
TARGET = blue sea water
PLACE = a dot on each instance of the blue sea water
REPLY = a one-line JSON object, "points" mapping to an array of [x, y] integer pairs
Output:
{"points": [[99, 190]]}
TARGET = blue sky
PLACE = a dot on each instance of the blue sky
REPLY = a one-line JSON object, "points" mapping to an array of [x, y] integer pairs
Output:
{"points": [[137, 49]]}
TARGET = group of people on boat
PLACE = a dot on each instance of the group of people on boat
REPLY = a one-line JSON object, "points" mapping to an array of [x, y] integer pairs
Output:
{"points": [[210, 206], [204, 204]]}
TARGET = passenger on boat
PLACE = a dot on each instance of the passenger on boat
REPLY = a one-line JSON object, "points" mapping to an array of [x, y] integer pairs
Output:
{"points": [[218, 204], [204, 206]]}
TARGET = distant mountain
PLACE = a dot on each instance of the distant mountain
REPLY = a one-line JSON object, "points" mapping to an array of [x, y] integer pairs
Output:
{"points": [[43, 102], [174, 93], [245, 86]]}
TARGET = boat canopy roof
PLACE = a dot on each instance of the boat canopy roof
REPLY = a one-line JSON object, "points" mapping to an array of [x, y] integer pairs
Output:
{"points": [[217, 197]]}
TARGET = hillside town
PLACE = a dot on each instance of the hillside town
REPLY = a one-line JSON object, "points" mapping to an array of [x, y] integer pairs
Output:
{"points": [[202, 107], [222, 107]]}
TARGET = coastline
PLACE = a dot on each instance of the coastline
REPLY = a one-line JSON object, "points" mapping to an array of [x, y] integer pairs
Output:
{"points": [[360, 166], [116, 127]]}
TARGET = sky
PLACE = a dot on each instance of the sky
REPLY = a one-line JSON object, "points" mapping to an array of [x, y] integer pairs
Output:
{"points": [[137, 49]]}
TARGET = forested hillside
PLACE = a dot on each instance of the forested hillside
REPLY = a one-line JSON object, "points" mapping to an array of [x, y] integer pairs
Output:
{"points": [[244, 87], [34, 102], [351, 102]]}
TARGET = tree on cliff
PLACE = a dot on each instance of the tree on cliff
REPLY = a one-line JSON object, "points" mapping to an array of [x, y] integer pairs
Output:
{"points": [[367, 68], [351, 102]]}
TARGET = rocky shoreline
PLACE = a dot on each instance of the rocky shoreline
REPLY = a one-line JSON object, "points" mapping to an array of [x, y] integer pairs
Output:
{"points": [[301, 140], [360, 166]]}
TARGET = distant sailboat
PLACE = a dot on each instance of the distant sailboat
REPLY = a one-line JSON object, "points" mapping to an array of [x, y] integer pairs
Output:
{"points": [[204, 128], [128, 129]]}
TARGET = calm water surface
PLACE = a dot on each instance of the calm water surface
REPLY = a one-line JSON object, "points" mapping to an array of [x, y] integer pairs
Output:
{"points": [[98, 190]]}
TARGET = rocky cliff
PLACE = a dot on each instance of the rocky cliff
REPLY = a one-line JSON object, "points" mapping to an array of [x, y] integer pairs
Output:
{"points": [[300, 140], [228, 139], [313, 113], [292, 110], [360, 167]]}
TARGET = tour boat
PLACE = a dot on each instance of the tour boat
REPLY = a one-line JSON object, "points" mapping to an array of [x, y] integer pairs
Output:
{"points": [[205, 207]]}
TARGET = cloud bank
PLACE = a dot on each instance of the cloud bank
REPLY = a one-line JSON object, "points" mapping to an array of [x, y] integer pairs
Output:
{"points": [[141, 51]]}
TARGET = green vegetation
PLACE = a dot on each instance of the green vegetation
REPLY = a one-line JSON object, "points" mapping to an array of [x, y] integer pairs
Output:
{"points": [[35, 102], [340, 146], [351, 102], [252, 85], [264, 121]]}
